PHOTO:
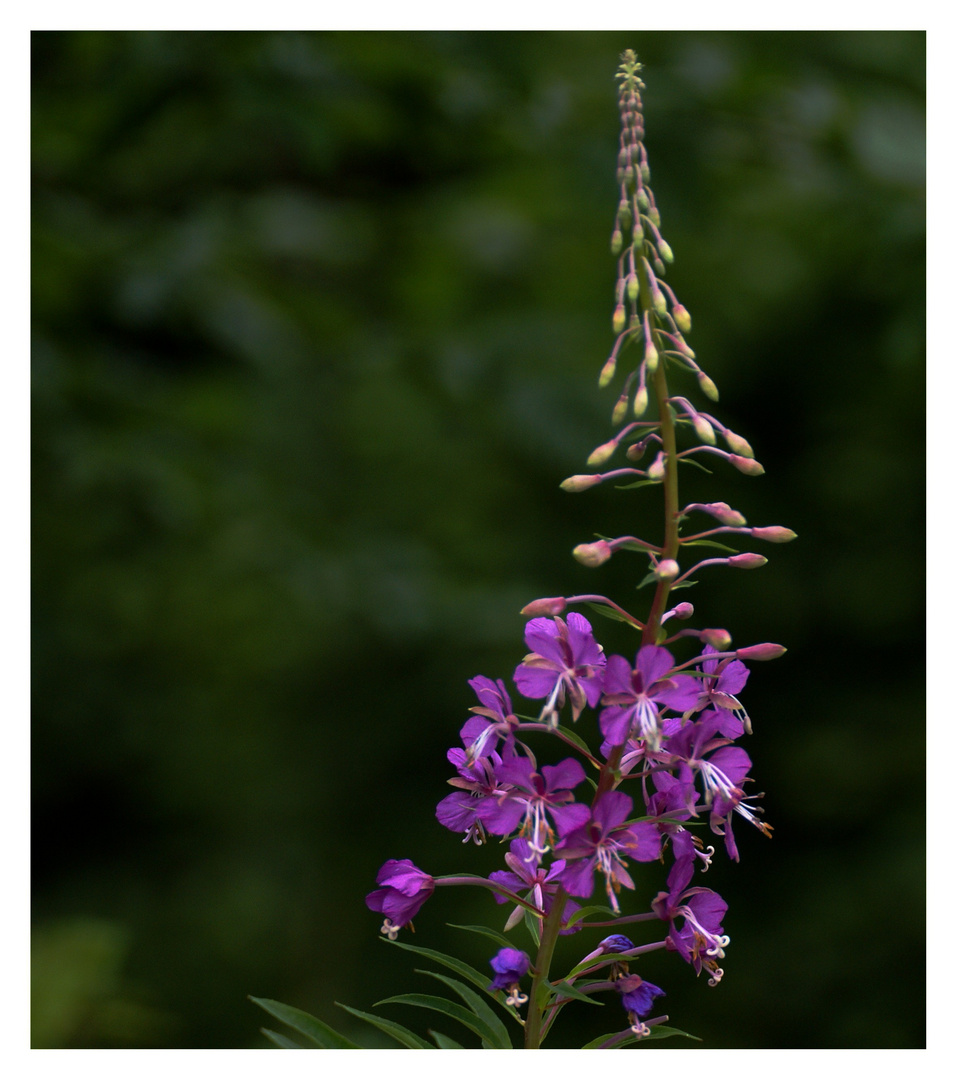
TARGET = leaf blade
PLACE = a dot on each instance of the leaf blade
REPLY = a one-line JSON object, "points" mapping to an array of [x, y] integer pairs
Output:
{"points": [[314, 1029], [395, 1031]]}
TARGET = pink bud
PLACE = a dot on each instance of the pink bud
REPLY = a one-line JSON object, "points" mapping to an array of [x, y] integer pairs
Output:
{"points": [[748, 466], [747, 561], [719, 639], [767, 651], [667, 570], [723, 513], [738, 444], [682, 318], [593, 554], [703, 429], [656, 470], [580, 482], [548, 605], [601, 454], [777, 534], [684, 611]]}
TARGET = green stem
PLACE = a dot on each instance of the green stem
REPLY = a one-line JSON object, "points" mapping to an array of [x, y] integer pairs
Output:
{"points": [[550, 928]]}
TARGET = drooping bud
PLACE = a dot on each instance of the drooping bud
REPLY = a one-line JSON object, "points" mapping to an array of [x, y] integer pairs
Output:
{"points": [[607, 372], [703, 430], [707, 385], [601, 454], [620, 411], [641, 401], [748, 466], [737, 444], [617, 242], [777, 534], [580, 482], [593, 554], [723, 513], [667, 570], [656, 470], [665, 251], [767, 651], [748, 560], [548, 605], [682, 319], [631, 287], [618, 319], [718, 639]]}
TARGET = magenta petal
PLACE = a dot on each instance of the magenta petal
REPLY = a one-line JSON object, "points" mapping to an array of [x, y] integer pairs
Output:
{"points": [[653, 662], [733, 762], [578, 878], [582, 641], [611, 809], [457, 811], [569, 817], [618, 676], [500, 818], [733, 678], [616, 722], [535, 682], [683, 695], [643, 841], [564, 776], [542, 637]]}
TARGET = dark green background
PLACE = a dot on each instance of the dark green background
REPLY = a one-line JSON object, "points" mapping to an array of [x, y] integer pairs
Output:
{"points": [[317, 324]]}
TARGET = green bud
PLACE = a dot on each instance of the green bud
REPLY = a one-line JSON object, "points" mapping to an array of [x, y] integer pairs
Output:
{"points": [[607, 372], [654, 217], [682, 318], [716, 638], [704, 430], [659, 266], [643, 203], [634, 322], [665, 251], [617, 242], [659, 301], [580, 482], [641, 401], [624, 213], [651, 358], [738, 445], [620, 411], [645, 174], [656, 470], [632, 287], [618, 319], [601, 454], [707, 385]]}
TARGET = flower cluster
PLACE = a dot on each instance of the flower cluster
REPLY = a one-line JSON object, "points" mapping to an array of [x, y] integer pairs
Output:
{"points": [[668, 765]]}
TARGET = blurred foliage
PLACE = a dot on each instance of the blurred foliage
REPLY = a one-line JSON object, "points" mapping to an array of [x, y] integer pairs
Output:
{"points": [[317, 324]]}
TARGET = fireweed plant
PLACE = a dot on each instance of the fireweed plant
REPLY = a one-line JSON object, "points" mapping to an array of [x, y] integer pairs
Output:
{"points": [[667, 767]]}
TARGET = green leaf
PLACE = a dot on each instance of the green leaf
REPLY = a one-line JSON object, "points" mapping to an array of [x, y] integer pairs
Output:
{"points": [[709, 544], [478, 1006], [610, 613], [591, 909], [448, 1008], [500, 939], [531, 924], [567, 990], [637, 484], [575, 738], [443, 1042], [476, 978], [683, 585], [315, 1030], [659, 1031], [281, 1040], [697, 464], [648, 579], [391, 1028]]}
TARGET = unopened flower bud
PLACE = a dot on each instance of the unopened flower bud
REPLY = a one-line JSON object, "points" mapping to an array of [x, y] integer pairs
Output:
{"points": [[767, 651], [738, 445], [716, 638], [667, 570], [641, 401], [665, 251], [777, 534], [601, 454], [631, 288], [703, 430], [656, 470], [617, 242], [593, 554], [684, 610], [634, 322], [607, 372], [707, 385], [654, 217], [620, 411], [618, 319], [643, 203], [659, 268], [748, 466], [580, 482], [624, 214], [548, 605], [682, 319], [651, 356], [659, 301], [748, 560], [723, 513]]}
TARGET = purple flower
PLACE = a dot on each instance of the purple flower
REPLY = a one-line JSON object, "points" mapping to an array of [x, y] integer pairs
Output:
{"points": [[633, 695], [533, 799], [509, 965], [637, 995], [724, 679], [476, 781], [406, 889], [700, 939], [527, 874], [565, 659], [493, 718], [602, 844]]}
